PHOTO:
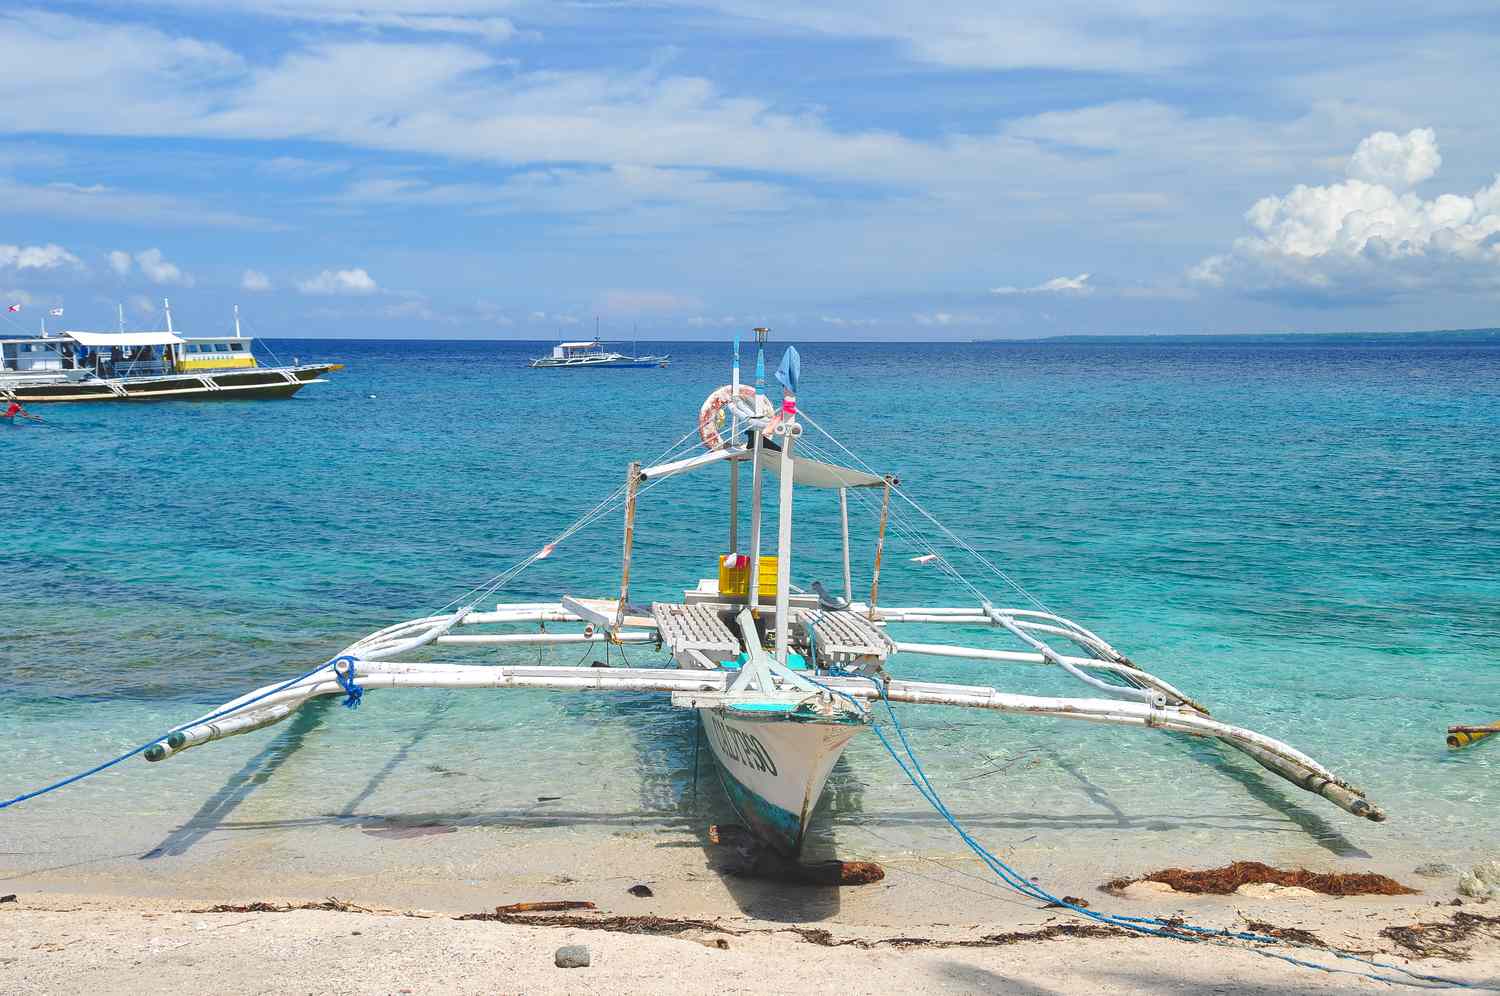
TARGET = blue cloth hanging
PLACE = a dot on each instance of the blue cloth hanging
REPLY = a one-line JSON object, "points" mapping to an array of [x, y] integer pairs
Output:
{"points": [[790, 370]]}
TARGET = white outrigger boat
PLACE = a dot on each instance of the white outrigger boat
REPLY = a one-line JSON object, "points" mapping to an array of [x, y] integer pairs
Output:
{"points": [[780, 678], [577, 355]]}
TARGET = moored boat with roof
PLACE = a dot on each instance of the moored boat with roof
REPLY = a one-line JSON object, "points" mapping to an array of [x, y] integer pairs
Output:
{"points": [[144, 366], [577, 355]]}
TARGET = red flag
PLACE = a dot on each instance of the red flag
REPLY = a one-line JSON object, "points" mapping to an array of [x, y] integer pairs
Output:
{"points": [[14, 307]]}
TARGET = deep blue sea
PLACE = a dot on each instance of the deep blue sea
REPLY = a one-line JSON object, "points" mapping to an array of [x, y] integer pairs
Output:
{"points": [[1302, 535]]}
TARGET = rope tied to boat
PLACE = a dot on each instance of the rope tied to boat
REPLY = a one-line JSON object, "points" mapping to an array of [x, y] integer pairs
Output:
{"points": [[1175, 929], [343, 671]]}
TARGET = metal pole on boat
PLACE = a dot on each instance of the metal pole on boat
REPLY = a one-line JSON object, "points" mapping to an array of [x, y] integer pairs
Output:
{"points": [[167, 307], [885, 511], [237, 321], [734, 506], [756, 476], [756, 473], [844, 521], [784, 530], [632, 486], [734, 465], [121, 308]]}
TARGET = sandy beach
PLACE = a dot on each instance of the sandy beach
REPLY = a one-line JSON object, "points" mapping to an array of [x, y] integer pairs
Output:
{"points": [[385, 905]]}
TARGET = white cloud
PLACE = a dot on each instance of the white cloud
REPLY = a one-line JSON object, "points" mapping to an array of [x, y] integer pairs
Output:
{"points": [[158, 270], [644, 302], [119, 261], [142, 305], [543, 318], [981, 34], [1057, 285], [294, 167], [255, 281], [353, 281], [478, 18], [47, 257], [94, 201], [942, 319], [848, 323], [1359, 237], [16, 297], [1399, 161]]}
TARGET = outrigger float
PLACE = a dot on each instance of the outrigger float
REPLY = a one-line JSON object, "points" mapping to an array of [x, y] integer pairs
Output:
{"points": [[779, 677]]}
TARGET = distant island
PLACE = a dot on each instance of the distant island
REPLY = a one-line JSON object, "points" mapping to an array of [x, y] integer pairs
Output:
{"points": [[1197, 338]]}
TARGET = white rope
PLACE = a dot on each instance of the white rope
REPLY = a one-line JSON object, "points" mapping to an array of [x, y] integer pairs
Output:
{"points": [[952, 536], [475, 595]]}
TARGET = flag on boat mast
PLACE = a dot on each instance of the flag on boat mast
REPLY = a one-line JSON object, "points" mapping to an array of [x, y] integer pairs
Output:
{"points": [[14, 307], [56, 312]]}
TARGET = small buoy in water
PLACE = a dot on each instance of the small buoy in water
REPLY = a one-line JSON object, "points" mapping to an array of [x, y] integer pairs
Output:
{"points": [[371, 397]]}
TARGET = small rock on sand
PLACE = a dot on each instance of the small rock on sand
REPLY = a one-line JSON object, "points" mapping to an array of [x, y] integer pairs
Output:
{"points": [[1436, 869], [572, 956]]}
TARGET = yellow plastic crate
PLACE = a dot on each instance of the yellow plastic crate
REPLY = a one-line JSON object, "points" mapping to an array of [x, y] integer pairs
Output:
{"points": [[734, 582]]}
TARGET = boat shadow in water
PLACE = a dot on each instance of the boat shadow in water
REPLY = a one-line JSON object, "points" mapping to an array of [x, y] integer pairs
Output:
{"points": [[680, 778], [255, 772], [1260, 786], [213, 814]]}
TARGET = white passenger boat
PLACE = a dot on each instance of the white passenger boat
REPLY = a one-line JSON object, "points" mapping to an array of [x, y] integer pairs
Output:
{"points": [[145, 366], [576, 355], [780, 675]]}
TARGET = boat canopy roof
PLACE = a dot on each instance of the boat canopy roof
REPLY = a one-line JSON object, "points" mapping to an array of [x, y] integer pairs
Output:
{"points": [[578, 345], [806, 472], [817, 474], [107, 339]]}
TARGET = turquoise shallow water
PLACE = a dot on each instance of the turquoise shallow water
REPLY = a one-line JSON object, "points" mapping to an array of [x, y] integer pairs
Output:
{"points": [[1303, 535]]}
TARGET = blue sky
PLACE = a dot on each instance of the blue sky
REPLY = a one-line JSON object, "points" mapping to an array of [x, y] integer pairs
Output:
{"points": [[833, 168]]}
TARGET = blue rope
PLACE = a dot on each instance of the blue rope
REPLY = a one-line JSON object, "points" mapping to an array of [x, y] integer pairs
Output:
{"points": [[1153, 926], [353, 693], [207, 719]]}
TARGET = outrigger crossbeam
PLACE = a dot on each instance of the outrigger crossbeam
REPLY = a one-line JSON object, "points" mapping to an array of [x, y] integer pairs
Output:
{"points": [[1163, 708]]}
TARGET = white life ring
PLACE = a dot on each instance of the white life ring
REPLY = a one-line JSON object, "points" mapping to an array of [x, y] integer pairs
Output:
{"points": [[711, 416]]}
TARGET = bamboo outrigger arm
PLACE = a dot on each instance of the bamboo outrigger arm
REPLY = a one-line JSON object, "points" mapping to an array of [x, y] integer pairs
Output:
{"points": [[274, 703]]}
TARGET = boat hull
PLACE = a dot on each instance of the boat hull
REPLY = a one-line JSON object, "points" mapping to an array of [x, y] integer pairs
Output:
{"points": [[774, 767], [599, 364], [227, 385]]}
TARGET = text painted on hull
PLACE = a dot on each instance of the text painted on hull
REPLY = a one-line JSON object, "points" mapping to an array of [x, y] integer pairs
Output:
{"points": [[746, 748]]}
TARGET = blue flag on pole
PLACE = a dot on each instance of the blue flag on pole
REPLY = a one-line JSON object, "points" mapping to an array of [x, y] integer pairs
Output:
{"points": [[790, 370]]}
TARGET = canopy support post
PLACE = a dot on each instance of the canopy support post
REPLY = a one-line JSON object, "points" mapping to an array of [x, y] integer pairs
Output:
{"points": [[784, 534], [756, 474], [734, 506], [632, 488], [885, 511], [844, 521]]}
